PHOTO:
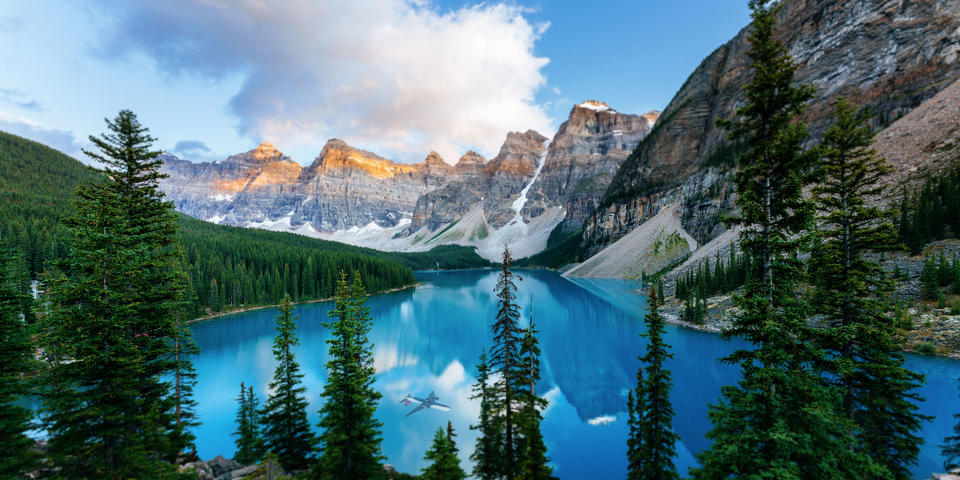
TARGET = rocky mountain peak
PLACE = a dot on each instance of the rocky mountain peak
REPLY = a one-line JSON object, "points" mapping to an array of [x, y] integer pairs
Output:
{"points": [[434, 159], [471, 157], [596, 106], [651, 116], [264, 154], [518, 142], [266, 149]]}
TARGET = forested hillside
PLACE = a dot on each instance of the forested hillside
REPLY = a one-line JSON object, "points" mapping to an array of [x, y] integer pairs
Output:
{"points": [[228, 266]]}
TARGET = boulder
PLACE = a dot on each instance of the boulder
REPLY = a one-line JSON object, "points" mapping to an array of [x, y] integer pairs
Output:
{"points": [[220, 465]]}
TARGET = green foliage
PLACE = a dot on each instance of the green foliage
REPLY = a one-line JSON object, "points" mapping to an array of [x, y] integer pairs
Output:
{"points": [[862, 340], [510, 444], [951, 448], [447, 257], [36, 187], [532, 450], [184, 379], [251, 267], [929, 284], [931, 213], [232, 266], [505, 360], [780, 420], [926, 348], [562, 249], [651, 444], [350, 438], [249, 442], [110, 336], [487, 454], [705, 281], [286, 431], [16, 456], [442, 455], [937, 274]]}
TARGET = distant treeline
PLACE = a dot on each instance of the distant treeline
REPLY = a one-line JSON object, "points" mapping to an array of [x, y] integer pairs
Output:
{"points": [[228, 267], [932, 213]]}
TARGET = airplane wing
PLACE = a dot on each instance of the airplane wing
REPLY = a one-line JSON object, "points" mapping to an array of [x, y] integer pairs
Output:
{"points": [[415, 410], [440, 406]]}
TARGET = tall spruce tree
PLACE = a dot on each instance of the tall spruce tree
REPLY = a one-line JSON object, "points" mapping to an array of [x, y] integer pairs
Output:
{"points": [[249, 442], [505, 361], [854, 296], [286, 431], [108, 403], [781, 420], [16, 455], [184, 379], [653, 437], [951, 447], [534, 464], [350, 439], [636, 408], [442, 455], [487, 457]]}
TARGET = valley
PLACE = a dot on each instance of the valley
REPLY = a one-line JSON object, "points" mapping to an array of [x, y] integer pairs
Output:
{"points": [[444, 255]]}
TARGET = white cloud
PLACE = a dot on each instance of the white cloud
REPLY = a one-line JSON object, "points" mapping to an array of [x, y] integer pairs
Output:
{"points": [[61, 140], [398, 76], [602, 420]]}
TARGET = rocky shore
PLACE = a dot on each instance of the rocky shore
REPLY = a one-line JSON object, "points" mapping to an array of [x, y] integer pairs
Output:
{"points": [[935, 329]]}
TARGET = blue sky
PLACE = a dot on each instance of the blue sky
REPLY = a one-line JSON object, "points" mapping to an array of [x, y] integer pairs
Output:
{"points": [[398, 77]]}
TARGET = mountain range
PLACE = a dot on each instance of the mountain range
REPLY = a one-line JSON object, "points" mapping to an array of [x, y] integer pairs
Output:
{"points": [[630, 194], [532, 186]]}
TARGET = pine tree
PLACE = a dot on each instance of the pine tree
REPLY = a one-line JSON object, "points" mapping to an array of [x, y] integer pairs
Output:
{"points": [[533, 452], [853, 294], [16, 455], [350, 442], [951, 447], [442, 455], [781, 420], [506, 362], [184, 379], [487, 456], [652, 436], [929, 285], [249, 442], [286, 431], [108, 403], [636, 410]]}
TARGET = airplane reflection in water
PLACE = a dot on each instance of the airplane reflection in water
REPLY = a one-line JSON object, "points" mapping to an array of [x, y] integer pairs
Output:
{"points": [[429, 402]]}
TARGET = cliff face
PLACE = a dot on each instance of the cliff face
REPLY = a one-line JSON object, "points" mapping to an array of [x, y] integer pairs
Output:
{"points": [[342, 188], [209, 190], [355, 196], [493, 184], [888, 55], [583, 157]]}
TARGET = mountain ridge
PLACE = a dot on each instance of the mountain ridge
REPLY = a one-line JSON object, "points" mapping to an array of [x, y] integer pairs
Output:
{"points": [[356, 196]]}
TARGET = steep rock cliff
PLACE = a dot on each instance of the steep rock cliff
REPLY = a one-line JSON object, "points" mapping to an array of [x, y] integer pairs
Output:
{"points": [[888, 55]]}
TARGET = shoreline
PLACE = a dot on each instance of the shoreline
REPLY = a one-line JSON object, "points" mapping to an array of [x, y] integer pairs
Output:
{"points": [[235, 311], [670, 313]]}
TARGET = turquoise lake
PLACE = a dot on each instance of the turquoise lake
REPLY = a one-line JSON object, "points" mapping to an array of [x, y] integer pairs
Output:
{"points": [[428, 339]]}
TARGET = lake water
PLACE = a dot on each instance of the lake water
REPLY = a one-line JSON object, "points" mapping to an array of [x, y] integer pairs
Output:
{"points": [[428, 339]]}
